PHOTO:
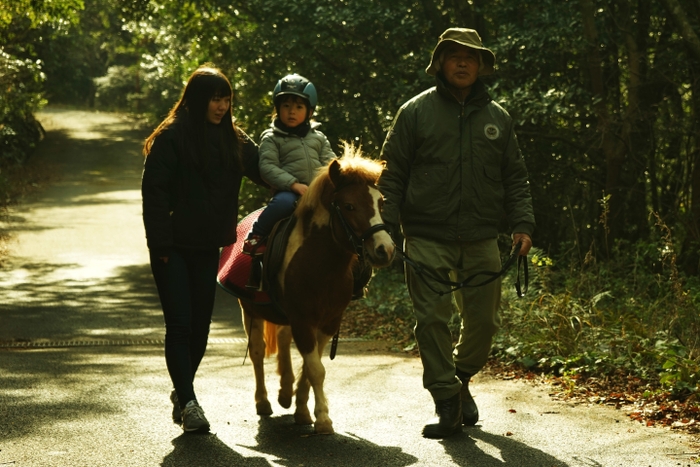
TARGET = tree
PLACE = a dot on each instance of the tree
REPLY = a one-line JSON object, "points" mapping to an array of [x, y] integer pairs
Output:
{"points": [[605, 107]]}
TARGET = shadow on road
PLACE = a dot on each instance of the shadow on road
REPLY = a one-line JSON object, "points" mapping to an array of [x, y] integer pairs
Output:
{"points": [[295, 445], [466, 450], [48, 388], [209, 450]]}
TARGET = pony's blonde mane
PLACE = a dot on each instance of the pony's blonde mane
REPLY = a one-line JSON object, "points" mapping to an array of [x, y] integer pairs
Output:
{"points": [[355, 169]]}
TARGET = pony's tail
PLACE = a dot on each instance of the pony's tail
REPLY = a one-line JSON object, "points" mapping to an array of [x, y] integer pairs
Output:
{"points": [[270, 336]]}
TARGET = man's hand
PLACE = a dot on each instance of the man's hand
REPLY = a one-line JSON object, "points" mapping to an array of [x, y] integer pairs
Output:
{"points": [[519, 237]]}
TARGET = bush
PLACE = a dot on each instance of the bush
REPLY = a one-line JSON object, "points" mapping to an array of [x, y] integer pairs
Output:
{"points": [[20, 96], [116, 89], [635, 313]]}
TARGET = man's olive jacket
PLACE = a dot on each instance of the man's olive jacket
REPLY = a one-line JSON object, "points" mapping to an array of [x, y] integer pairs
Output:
{"points": [[453, 170]]}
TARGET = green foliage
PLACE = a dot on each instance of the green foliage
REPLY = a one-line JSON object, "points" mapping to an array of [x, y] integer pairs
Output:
{"points": [[368, 57], [116, 90], [680, 372], [635, 313], [388, 294], [20, 97], [365, 58]]}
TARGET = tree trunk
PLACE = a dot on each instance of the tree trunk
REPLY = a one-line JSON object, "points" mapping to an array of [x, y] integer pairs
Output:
{"points": [[636, 132], [611, 143], [685, 29]]}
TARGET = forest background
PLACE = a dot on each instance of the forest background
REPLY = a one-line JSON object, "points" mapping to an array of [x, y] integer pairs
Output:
{"points": [[606, 99]]}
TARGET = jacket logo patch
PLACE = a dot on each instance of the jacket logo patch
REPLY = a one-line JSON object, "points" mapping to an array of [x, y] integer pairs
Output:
{"points": [[491, 131]]}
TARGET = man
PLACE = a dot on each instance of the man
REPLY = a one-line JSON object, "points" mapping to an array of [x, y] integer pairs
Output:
{"points": [[453, 169]]}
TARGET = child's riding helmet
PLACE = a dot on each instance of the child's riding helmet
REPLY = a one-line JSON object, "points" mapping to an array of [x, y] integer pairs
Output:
{"points": [[298, 86]]}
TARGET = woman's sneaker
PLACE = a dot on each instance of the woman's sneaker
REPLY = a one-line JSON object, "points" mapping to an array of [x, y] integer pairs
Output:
{"points": [[177, 413], [193, 418]]}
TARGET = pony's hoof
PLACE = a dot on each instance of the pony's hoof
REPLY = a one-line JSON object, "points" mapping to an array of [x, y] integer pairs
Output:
{"points": [[302, 418], [324, 428], [285, 401], [264, 408]]}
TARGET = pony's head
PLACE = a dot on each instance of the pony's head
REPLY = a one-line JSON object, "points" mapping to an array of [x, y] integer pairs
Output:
{"points": [[344, 195]]}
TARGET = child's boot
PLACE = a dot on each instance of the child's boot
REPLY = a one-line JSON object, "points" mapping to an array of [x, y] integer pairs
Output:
{"points": [[254, 245]]}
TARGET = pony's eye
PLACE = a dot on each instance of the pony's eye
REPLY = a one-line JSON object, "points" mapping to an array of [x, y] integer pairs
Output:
{"points": [[349, 207]]}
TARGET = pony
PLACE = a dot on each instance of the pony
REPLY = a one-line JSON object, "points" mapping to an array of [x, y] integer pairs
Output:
{"points": [[336, 223]]}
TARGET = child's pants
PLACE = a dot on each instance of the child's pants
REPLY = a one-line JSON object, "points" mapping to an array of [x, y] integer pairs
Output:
{"points": [[280, 206]]}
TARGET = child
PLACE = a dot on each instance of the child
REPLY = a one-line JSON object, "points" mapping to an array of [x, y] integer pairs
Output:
{"points": [[291, 151], [195, 162]]}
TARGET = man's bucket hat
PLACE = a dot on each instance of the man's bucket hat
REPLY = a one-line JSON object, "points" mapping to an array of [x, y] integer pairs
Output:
{"points": [[466, 37]]}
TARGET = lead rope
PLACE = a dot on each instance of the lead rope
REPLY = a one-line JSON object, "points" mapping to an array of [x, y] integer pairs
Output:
{"points": [[334, 344], [513, 258], [358, 244], [348, 232]]}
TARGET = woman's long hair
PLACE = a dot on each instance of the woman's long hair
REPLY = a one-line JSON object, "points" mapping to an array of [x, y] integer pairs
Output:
{"points": [[190, 113]]}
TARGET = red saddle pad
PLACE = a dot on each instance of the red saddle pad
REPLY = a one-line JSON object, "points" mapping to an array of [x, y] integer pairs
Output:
{"points": [[234, 266]]}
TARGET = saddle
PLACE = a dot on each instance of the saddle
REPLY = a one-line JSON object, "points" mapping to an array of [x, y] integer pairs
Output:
{"points": [[235, 267]]}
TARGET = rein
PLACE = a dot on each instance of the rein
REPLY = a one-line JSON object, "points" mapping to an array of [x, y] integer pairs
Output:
{"points": [[358, 246], [513, 258]]}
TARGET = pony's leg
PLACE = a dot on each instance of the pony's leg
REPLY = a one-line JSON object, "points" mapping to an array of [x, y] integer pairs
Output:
{"points": [[284, 366], [254, 328], [316, 374], [302, 416]]}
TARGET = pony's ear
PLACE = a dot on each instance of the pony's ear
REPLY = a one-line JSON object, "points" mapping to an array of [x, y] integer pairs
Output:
{"points": [[334, 173]]}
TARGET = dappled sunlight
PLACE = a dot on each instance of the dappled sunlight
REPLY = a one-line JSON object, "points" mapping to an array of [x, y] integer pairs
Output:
{"points": [[89, 271], [80, 237], [102, 299], [96, 125], [110, 196], [41, 303]]}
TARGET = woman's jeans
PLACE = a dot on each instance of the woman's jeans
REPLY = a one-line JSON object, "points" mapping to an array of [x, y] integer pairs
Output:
{"points": [[186, 287], [280, 207]]}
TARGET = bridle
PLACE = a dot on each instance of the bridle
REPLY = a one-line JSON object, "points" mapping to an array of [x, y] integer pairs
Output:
{"points": [[357, 242]]}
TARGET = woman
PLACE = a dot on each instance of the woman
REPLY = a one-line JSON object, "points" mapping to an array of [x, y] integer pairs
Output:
{"points": [[195, 161]]}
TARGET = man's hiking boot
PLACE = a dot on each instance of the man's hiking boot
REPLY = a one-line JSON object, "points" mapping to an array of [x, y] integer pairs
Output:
{"points": [[470, 412], [449, 418]]}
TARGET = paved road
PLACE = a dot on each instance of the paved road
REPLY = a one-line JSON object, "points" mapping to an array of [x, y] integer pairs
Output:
{"points": [[83, 379]]}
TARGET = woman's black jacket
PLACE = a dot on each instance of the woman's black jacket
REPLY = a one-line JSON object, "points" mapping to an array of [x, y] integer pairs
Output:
{"points": [[193, 207]]}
